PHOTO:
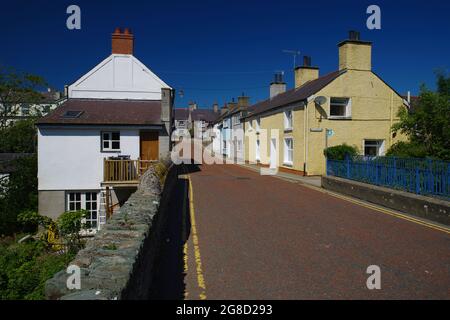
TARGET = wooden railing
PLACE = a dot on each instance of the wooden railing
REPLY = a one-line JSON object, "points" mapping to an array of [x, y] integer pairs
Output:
{"points": [[124, 170]]}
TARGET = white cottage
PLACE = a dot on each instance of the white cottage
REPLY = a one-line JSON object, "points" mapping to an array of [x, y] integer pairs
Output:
{"points": [[93, 148]]}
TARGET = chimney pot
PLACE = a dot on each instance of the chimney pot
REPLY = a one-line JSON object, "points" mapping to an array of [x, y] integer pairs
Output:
{"points": [[354, 35], [306, 61]]}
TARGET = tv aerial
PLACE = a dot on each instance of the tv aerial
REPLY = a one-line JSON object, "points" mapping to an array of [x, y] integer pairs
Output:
{"points": [[295, 53]]}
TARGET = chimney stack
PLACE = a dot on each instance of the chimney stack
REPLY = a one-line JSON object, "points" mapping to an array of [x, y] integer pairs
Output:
{"points": [[305, 73], [243, 101], [216, 107], [232, 105], [278, 85], [355, 54], [122, 42], [224, 109]]}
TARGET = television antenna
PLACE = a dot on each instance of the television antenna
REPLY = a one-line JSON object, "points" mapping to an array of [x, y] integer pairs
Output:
{"points": [[295, 53]]}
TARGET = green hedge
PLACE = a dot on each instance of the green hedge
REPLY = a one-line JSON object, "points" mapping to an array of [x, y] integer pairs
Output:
{"points": [[340, 152]]}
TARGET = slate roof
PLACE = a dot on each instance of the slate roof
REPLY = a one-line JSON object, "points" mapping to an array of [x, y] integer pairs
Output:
{"points": [[106, 112], [293, 95], [181, 114], [207, 115]]}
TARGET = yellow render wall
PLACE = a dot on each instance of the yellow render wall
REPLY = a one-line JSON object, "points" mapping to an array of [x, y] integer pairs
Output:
{"points": [[374, 108]]}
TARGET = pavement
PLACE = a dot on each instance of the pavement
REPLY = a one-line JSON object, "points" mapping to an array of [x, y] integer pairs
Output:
{"points": [[235, 234]]}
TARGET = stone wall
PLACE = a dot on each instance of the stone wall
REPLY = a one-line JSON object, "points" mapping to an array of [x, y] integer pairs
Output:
{"points": [[119, 262], [424, 207]]}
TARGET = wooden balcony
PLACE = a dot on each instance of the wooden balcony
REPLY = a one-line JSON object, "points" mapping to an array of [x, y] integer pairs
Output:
{"points": [[124, 172]]}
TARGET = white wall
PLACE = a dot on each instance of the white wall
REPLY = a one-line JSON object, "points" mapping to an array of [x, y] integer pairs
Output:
{"points": [[71, 159], [118, 77]]}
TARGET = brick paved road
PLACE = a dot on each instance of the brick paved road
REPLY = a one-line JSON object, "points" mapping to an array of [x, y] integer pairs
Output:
{"points": [[259, 237]]}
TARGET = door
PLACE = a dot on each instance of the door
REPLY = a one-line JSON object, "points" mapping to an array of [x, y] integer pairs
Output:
{"points": [[273, 154], [149, 145]]}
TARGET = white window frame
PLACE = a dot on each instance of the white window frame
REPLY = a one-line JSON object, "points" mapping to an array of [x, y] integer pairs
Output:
{"points": [[109, 140], [288, 152], [379, 144], [288, 121], [81, 203], [348, 108]]}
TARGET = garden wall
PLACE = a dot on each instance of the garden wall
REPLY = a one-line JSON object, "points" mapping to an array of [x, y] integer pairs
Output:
{"points": [[119, 262]]}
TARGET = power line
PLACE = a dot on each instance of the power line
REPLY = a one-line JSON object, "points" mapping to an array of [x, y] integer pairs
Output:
{"points": [[214, 72]]}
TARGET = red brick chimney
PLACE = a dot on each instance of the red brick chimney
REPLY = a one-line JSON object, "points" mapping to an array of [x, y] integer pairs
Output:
{"points": [[122, 42]]}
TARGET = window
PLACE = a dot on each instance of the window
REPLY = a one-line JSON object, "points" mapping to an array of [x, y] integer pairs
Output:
{"points": [[111, 141], [25, 109], [258, 155], [288, 120], [72, 114], [84, 201], [288, 151], [340, 108], [373, 148]]}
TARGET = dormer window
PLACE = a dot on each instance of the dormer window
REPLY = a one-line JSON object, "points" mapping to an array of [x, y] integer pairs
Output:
{"points": [[340, 108]]}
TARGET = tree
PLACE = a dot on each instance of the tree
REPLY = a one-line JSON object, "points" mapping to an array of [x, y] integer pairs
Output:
{"points": [[17, 88], [427, 124], [19, 137]]}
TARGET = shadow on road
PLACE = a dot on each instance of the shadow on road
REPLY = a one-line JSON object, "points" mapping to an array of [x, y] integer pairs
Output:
{"points": [[170, 276]]}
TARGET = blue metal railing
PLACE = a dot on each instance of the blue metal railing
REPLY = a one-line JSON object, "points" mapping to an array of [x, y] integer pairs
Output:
{"points": [[420, 176]]}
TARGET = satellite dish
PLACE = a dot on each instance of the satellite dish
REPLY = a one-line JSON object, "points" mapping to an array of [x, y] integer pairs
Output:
{"points": [[320, 100]]}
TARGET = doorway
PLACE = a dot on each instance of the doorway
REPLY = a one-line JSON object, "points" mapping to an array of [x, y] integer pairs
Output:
{"points": [[149, 145]]}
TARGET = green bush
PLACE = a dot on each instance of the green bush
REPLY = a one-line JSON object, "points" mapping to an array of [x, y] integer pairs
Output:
{"points": [[25, 267], [69, 226], [340, 152], [407, 150]]}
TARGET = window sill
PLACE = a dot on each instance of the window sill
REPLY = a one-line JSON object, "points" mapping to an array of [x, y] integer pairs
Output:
{"points": [[288, 164], [110, 151], [339, 118], [288, 130]]}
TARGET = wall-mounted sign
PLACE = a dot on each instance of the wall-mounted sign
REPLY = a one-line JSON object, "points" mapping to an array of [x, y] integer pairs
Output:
{"points": [[330, 132]]}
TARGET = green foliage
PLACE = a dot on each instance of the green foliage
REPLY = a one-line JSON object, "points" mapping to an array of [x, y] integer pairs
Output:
{"points": [[69, 226], [25, 267], [17, 88], [427, 125], [19, 195], [340, 152], [407, 150], [19, 137]]}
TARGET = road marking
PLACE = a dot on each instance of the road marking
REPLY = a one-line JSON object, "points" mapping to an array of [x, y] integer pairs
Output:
{"points": [[366, 205], [185, 266], [198, 260]]}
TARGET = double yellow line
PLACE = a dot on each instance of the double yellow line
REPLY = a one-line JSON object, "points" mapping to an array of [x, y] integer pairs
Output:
{"points": [[198, 261]]}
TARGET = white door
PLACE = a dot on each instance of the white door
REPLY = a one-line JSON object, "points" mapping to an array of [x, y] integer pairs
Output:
{"points": [[273, 154]]}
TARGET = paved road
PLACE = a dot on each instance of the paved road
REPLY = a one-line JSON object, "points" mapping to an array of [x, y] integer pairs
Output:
{"points": [[260, 237]]}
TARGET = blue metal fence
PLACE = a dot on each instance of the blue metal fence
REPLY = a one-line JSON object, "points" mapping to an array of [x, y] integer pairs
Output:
{"points": [[420, 176]]}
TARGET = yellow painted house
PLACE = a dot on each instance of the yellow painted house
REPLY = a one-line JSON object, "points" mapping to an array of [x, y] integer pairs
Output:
{"points": [[352, 105]]}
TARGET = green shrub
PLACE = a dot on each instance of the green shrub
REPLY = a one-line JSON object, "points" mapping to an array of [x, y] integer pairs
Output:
{"points": [[69, 226], [25, 267], [340, 152], [407, 150]]}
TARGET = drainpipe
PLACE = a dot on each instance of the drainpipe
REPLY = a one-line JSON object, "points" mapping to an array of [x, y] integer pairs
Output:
{"points": [[305, 140]]}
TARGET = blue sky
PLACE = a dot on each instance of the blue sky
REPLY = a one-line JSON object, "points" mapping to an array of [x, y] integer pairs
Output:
{"points": [[214, 50]]}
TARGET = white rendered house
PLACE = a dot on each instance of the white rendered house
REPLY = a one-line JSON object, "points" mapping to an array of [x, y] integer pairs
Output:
{"points": [[93, 148]]}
